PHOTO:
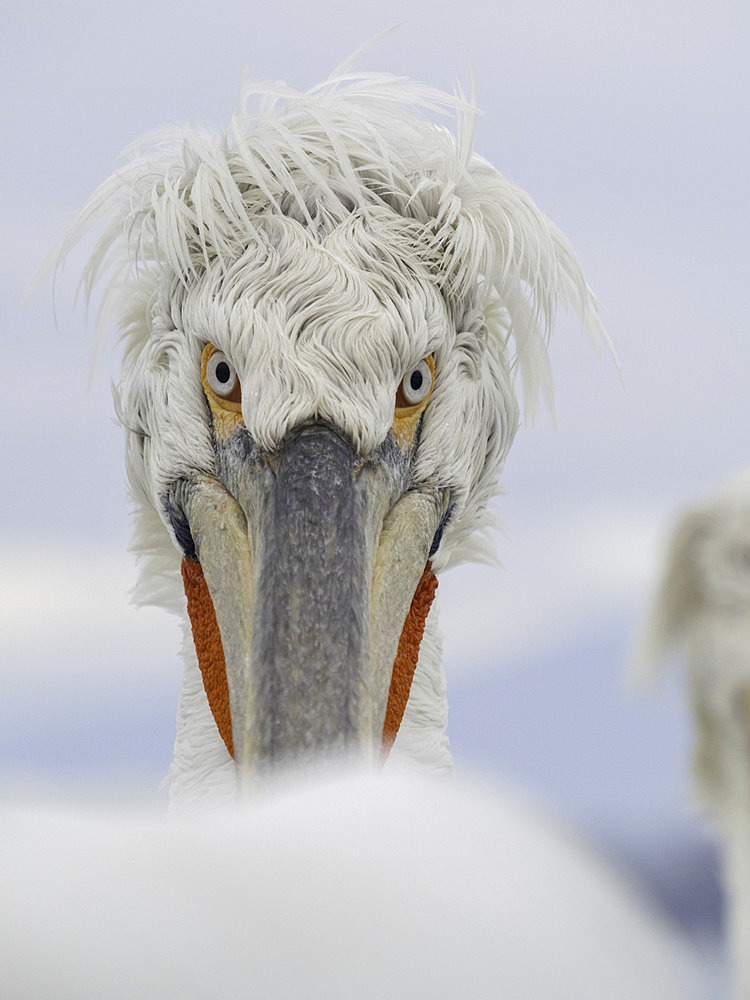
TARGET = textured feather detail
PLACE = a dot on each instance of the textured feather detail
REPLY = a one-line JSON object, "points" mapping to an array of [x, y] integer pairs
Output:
{"points": [[326, 242], [188, 200], [196, 223]]}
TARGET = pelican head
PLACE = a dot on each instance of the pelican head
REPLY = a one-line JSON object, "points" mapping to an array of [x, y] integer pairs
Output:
{"points": [[325, 312]]}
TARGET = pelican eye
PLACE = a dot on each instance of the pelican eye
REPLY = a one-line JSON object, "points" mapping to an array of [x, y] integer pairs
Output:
{"points": [[220, 375], [220, 379], [415, 388]]}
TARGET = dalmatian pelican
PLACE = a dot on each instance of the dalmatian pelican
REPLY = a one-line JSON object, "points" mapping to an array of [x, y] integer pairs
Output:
{"points": [[326, 313], [701, 609]]}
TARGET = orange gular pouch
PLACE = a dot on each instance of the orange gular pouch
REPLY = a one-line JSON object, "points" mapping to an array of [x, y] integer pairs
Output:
{"points": [[406, 658], [208, 647], [210, 652]]}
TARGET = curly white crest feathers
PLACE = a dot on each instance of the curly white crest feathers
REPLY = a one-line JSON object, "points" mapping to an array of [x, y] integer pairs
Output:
{"points": [[326, 242], [189, 199], [197, 227]]}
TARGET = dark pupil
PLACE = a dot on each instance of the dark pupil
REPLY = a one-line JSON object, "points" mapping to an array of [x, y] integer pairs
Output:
{"points": [[415, 380], [223, 372]]}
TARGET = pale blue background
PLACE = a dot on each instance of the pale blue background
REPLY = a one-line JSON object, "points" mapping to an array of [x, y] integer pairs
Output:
{"points": [[628, 124]]}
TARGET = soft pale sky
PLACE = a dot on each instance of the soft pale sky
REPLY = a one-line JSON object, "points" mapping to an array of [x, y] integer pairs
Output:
{"points": [[627, 123]]}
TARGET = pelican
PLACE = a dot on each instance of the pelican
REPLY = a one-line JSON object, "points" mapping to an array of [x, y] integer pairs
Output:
{"points": [[702, 609], [327, 314]]}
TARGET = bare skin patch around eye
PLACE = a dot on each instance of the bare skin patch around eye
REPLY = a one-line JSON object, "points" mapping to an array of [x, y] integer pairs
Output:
{"points": [[226, 422], [404, 429], [226, 412], [406, 416]]}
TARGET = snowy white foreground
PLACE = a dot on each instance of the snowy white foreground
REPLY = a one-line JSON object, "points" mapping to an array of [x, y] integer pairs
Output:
{"points": [[362, 888]]}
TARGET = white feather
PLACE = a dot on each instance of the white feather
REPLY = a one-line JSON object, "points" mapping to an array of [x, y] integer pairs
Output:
{"points": [[326, 242], [362, 888], [198, 223]]}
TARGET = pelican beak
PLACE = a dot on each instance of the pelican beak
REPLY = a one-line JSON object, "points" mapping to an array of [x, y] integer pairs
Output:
{"points": [[303, 570]]}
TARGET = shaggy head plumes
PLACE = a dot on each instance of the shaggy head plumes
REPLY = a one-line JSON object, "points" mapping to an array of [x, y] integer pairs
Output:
{"points": [[327, 241], [325, 311]]}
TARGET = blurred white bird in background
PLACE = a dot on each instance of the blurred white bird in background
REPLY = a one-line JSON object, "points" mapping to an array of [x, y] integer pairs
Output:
{"points": [[325, 313], [702, 609]]}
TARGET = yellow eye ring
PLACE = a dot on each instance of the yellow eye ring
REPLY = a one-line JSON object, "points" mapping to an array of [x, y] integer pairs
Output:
{"points": [[221, 382], [415, 389]]}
